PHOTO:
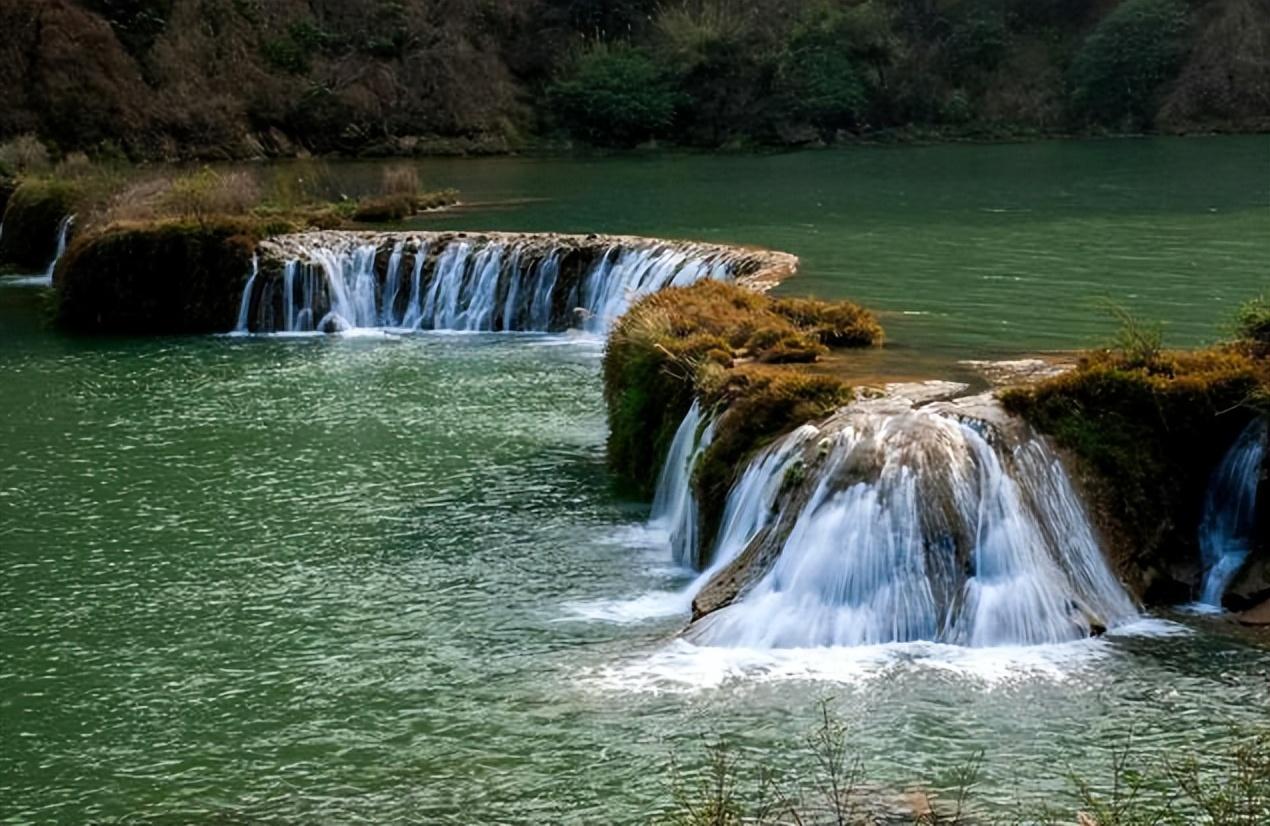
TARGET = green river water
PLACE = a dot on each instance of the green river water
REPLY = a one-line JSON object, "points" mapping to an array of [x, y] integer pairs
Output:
{"points": [[383, 580]]}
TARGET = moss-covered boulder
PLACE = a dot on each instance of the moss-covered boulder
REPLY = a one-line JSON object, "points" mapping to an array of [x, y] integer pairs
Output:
{"points": [[170, 277], [31, 219], [1145, 438], [710, 341], [740, 353]]}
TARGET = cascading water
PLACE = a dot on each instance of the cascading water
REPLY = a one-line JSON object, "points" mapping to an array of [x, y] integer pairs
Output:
{"points": [[244, 306], [920, 528], [751, 501], [621, 275], [750, 507], [674, 505], [1226, 529], [501, 284], [63, 234]]}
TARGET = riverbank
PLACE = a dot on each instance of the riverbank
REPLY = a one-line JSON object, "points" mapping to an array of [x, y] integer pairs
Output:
{"points": [[151, 82]]}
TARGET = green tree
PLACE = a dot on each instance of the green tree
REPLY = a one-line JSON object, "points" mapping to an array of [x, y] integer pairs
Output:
{"points": [[1118, 72], [615, 95], [822, 83], [833, 64]]}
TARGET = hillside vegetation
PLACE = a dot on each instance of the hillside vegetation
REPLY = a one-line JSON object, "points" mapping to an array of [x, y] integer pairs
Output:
{"points": [[237, 78]]}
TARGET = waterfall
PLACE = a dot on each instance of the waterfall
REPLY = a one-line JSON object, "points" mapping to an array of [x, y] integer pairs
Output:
{"points": [[244, 306], [752, 499], [620, 276], [63, 235], [920, 526], [511, 283], [1226, 529], [675, 505]]}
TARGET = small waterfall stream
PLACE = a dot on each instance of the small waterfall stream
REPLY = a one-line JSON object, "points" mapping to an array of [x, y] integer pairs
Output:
{"points": [[752, 501], [920, 526], [750, 507], [1226, 529], [63, 234], [675, 505], [497, 284]]}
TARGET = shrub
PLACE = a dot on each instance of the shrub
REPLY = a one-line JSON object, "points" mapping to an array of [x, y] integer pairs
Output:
{"points": [[141, 199], [1230, 787], [400, 179], [208, 193], [615, 96], [24, 155], [398, 207], [436, 200], [714, 341], [1252, 322], [137, 23], [75, 165], [384, 209], [1138, 343], [1148, 434], [286, 55], [835, 323], [650, 374], [1118, 71], [821, 82], [31, 220], [979, 41]]}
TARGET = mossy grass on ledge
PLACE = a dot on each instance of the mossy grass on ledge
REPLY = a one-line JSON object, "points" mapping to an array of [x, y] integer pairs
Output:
{"points": [[740, 353], [32, 214], [1147, 427], [103, 196], [169, 276], [400, 206]]}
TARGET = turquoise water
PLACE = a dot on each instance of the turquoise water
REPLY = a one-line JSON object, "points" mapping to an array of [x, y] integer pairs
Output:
{"points": [[363, 580], [966, 249]]}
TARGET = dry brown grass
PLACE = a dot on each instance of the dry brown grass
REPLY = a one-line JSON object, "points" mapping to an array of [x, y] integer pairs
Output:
{"points": [[199, 196], [400, 179], [733, 349]]}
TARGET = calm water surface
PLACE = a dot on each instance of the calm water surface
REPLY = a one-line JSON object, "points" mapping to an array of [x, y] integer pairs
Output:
{"points": [[968, 250], [357, 580]]}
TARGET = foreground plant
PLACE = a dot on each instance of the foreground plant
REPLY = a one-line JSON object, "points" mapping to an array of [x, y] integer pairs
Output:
{"points": [[1231, 789]]}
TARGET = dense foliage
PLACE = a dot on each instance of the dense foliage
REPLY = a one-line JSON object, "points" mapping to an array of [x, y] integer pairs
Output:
{"points": [[615, 95], [233, 78], [1120, 70]]}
